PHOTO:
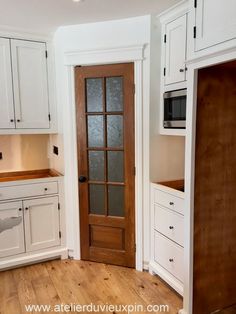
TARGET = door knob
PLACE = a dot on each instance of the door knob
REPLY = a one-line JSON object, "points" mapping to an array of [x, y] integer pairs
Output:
{"points": [[82, 179]]}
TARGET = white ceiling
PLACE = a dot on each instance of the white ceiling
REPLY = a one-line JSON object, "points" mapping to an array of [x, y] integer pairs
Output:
{"points": [[45, 16]]}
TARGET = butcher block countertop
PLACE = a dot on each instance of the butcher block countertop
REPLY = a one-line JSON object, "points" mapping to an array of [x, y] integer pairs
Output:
{"points": [[176, 185], [28, 175]]}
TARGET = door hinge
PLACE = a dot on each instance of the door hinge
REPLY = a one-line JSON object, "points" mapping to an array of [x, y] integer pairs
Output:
{"points": [[194, 32], [164, 71], [49, 117], [195, 3], [165, 38], [46, 54], [60, 234], [59, 206]]}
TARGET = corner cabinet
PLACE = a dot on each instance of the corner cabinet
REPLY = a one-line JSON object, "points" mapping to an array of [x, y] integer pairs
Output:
{"points": [[215, 22], [25, 102]]}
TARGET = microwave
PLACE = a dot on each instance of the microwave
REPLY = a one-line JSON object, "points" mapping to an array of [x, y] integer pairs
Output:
{"points": [[175, 109]]}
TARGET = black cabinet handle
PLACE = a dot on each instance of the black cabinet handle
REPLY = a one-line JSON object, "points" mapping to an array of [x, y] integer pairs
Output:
{"points": [[172, 203], [171, 227], [45, 189], [82, 179], [12, 120], [18, 120], [171, 260], [26, 208], [181, 70], [20, 209]]}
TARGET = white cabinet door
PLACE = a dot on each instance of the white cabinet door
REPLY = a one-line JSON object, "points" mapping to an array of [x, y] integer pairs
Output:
{"points": [[215, 22], [29, 65], [175, 54], [11, 229], [7, 119], [41, 223]]}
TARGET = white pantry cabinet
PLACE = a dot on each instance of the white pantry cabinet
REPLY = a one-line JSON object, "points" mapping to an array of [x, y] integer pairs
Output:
{"points": [[11, 229], [41, 218], [175, 52], [6, 90], [29, 68], [215, 22]]}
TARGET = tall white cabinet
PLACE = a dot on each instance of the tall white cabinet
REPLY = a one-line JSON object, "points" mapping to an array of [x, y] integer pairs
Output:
{"points": [[175, 50], [27, 92], [29, 73]]}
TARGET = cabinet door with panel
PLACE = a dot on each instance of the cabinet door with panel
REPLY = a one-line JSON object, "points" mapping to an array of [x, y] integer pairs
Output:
{"points": [[6, 92], [42, 223], [215, 22], [29, 65], [11, 229], [175, 52]]}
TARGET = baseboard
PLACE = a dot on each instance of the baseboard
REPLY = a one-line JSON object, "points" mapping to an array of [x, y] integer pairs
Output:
{"points": [[146, 266]]}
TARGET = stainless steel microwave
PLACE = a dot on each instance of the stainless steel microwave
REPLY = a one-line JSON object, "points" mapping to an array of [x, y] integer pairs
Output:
{"points": [[175, 109]]}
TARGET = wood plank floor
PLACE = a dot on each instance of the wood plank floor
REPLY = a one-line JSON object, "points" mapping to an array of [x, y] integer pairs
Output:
{"points": [[80, 282]]}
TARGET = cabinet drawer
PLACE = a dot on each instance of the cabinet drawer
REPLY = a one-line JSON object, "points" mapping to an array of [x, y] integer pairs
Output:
{"points": [[28, 190], [169, 201], [169, 255], [170, 224]]}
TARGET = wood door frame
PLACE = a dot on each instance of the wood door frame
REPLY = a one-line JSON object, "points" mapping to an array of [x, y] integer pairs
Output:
{"points": [[133, 54], [192, 84]]}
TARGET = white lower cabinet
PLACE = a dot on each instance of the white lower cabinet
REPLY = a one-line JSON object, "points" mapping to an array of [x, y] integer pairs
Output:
{"points": [[41, 218], [11, 229], [167, 235], [32, 228]]}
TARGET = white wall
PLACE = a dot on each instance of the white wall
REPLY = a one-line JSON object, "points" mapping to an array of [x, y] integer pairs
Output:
{"points": [[119, 33]]}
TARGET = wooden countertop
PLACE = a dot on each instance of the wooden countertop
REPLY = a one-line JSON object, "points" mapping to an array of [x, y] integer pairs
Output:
{"points": [[176, 184], [28, 175]]}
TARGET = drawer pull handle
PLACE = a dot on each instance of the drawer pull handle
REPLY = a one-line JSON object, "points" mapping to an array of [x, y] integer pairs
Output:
{"points": [[172, 203], [45, 189], [20, 209], [171, 260], [171, 227], [26, 208]]}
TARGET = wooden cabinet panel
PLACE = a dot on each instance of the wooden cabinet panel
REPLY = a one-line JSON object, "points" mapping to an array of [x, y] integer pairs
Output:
{"points": [[41, 223], [215, 22], [7, 119], [30, 84], [11, 229], [175, 55]]}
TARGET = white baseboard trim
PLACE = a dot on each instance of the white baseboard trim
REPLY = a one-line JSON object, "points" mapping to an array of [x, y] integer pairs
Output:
{"points": [[34, 257], [146, 265]]}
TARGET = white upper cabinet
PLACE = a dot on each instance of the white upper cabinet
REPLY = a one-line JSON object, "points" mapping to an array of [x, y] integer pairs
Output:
{"points": [[215, 22], [11, 229], [6, 93], [175, 52], [41, 223], [29, 66]]}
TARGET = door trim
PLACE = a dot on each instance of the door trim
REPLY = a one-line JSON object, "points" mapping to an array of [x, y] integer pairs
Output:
{"points": [[100, 57]]}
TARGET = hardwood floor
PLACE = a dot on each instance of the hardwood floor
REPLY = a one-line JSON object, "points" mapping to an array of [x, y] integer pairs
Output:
{"points": [[80, 282]]}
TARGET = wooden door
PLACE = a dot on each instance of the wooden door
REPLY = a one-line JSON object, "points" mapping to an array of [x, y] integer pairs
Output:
{"points": [[11, 229], [105, 121], [214, 272], [41, 223], [7, 118], [176, 33], [215, 22], [29, 65]]}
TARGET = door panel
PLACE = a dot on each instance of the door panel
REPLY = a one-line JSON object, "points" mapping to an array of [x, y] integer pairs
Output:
{"points": [[11, 229], [176, 33], [215, 22], [30, 84], [7, 117], [46, 233], [105, 123]]}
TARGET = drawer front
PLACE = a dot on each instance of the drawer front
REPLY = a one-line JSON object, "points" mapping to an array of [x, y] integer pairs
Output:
{"points": [[28, 190], [169, 255], [169, 201], [169, 223]]}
